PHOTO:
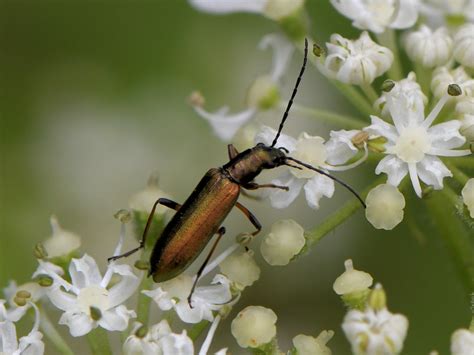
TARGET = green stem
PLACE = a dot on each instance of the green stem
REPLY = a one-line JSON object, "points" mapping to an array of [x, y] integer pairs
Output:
{"points": [[389, 40], [327, 116], [457, 173], [143, 305], [455, 236], [354, 97], [370, 92], [423, 77], [99, 342], [315, 235], [48, 329]]}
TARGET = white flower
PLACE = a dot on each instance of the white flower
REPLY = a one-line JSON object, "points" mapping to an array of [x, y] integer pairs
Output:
{"points": [[34, 292], [464, 45], [385, 206], [356, 62], [285, 240], [408, 88], [30, 344], [378, 15], [465, 108], [62, 242], [261, 95], [374, 332], [462, 342], [254, 326], [12, 314], [144, 200], [273, 9], [468, 196], [413, 146], [352, 280], [87, 301], [442, 77], [241, 268], [429, 48], [173, 294], [310, 150], [308, 345], [158, 340]]}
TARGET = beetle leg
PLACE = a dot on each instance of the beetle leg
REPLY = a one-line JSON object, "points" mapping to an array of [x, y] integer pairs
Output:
{"points": [[255, 186], [251, 218], [220, 233], [232, 151], [162, 201]]}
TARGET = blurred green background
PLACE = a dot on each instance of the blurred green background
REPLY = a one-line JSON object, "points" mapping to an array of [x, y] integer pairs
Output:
{"points": [[94, 100]]}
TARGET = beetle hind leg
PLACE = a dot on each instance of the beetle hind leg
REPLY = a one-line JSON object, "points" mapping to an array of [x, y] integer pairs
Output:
{"points": [[162, 201]]}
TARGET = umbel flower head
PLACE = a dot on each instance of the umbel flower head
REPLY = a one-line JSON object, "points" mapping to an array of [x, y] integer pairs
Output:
{"points": [[413, 146]]}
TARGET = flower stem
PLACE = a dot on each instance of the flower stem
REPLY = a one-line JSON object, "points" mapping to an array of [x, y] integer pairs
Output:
{"points": [[370, 92], [99, 342], [143, 305], [389, 40], [48, 329], [327, 116], [337, 218], [455, 236]]}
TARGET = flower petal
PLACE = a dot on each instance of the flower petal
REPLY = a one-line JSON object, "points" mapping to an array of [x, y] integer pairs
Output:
{"points": [[223, 124], [122, 290], [268, 134], [446, 135], [84, 272], [379, 127], [116, 319], [62, 300], [395, 169], [228, 6], [8, 338], [432, 171], [282, 199], [79, 323], [282, 52], [178, 344], [340, 147], [317, 187], [413, 171]]}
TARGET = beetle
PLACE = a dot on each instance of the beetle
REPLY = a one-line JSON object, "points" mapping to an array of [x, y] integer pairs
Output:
{"points": [[200, 217]]}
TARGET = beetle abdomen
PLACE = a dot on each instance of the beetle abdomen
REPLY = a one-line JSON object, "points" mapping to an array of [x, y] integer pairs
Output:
{"points": [[193, 225]]}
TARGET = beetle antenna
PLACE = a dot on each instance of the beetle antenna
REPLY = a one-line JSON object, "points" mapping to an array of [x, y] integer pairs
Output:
{"points": [[285, 115], [322, 172]]}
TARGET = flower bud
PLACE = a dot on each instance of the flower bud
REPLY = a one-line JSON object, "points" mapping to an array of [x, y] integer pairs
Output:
{"points": [[241, 268], [430, 49], [468, 196], [61, 243], [443, 77], [465, 110], [462, 342], [263, 93], [312, 151], [385, 206], [353, 286], [464, 44], [308, 345], [254, 326], [285, 240]]}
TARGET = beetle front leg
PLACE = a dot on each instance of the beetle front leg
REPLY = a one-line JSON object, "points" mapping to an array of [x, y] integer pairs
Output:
{"points": [[162, 201], [255, 186]]}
